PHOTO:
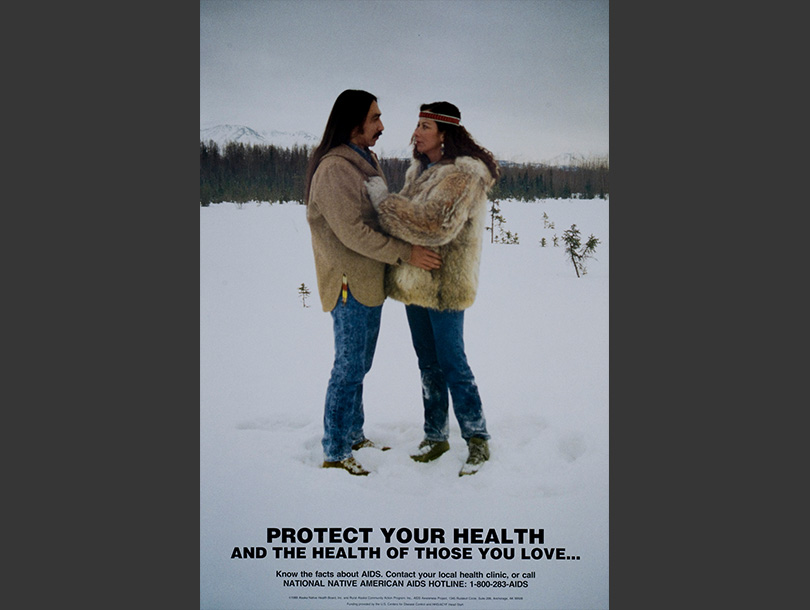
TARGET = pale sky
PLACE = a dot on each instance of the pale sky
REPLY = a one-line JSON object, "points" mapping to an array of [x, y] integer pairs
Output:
{"points": [[529, 76]]}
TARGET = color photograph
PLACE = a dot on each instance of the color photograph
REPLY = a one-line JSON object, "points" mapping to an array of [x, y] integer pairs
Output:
{"points": [[404, 304]]}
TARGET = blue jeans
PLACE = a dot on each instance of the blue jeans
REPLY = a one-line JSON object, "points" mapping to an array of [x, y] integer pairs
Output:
{"points": [[356, 328], [438, 338]]}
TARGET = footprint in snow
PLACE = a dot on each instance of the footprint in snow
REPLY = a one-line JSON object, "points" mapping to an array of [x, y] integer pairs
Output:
{"points": [[571, 447]]}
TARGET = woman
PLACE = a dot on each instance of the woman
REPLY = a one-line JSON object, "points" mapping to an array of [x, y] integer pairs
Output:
{"points": [[442, 206]]}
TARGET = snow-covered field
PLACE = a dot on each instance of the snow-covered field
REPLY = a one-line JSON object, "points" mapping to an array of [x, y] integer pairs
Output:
{"points": [[537, 342]]}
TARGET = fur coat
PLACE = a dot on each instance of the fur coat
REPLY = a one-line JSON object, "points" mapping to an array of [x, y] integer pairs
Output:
{"points": [[346, 236], [443, 208]]}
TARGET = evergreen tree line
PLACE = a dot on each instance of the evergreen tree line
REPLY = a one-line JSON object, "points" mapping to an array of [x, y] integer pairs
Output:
{"points": [[530, 181], [259, 172]]}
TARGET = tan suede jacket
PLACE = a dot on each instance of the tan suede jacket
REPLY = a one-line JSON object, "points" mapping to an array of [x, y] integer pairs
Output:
{"points": [[346, 234]]}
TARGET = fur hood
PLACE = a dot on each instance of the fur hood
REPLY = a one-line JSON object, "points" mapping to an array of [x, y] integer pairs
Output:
{"points": [[443, 208]]}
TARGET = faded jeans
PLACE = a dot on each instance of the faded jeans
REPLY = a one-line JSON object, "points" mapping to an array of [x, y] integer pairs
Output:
{"points": [[356, 328], [438, 339]]}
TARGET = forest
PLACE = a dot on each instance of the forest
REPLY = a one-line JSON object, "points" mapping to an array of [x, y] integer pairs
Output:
{"points": [[252, 172]]}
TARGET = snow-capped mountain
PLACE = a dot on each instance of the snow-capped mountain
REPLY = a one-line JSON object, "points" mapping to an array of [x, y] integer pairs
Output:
{"points": [[571, 160], [222, 134], [562, 161]]}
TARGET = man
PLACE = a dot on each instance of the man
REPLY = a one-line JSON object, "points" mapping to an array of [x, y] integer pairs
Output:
{"points": [[350, 256]]}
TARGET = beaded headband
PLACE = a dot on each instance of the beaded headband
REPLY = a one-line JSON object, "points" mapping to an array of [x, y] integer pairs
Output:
{"points": [[441, 118]]}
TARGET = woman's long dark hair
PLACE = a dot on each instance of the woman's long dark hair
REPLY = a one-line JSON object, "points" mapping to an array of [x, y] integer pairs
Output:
{"points": [[457, 140], [349, 111]]}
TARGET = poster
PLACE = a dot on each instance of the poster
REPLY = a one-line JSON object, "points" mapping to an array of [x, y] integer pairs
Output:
{"points": [[530, 530]]}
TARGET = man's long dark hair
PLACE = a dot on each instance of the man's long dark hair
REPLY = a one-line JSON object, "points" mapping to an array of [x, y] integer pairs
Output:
{"points": [[349, 111], [457, 140]]}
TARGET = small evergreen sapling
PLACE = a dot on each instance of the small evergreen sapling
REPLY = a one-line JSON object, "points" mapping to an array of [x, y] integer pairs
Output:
{"points": [[494, 216], [547, 225], [503, 237], [507, 237], [577, 252], [304, 292]]}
